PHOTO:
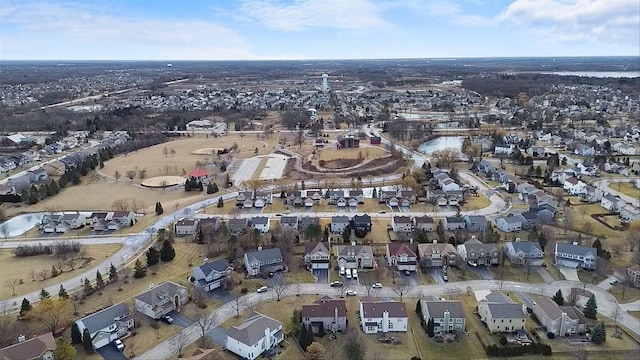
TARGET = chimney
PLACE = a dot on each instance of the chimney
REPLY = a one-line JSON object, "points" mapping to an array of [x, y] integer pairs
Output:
{"points": [[518, 239], [353, 243], [435, 241], [267, 337], [22, 338], [335, 319], [259, 248], [205, 260], [575, 243], [385, 321], [150, 285]]}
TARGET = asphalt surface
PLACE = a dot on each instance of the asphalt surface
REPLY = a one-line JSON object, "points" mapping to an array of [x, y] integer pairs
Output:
{"points": [[109, 352]]}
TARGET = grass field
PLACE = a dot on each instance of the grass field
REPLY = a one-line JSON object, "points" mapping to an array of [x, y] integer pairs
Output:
{"points": [[626, 188], [365, 153], [514, 273], [475, 203], [20, 268], [630, 293]]}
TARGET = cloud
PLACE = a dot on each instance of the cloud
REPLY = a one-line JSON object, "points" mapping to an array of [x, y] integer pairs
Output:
{"points": [[354, 15], [576, 20], [95, 28]]}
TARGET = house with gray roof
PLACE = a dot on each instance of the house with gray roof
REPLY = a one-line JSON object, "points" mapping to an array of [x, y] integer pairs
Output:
{"points": [[260, 223], [354, 256], [447, 315], [107, 325], [476, 253], [307, 221], [501, 315], [161, 299], [575, 256], [237, 226], [210, 275], [263, 261], [475, 223], [289, 221], [526, 253], [257, 334], [317, 255], [339, 223], [509, 223], [452, 223], [559, 320]]}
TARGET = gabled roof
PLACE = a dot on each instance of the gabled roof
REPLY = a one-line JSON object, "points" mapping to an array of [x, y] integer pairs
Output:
{"points": [[506, 311], [252, 329], [313, 247], [575, 249], [376, 309], [104, 318], [497, 297], [264, 255], [309, 220], [339, 219], [398, 249], [402, 219], [437, 308], [166, 287], [362, 219], [525, 246], [324, 307], [29, 349], [424, 219], [454, 219], [260, 220], [344, 250], [220, 265], [289, 220]]}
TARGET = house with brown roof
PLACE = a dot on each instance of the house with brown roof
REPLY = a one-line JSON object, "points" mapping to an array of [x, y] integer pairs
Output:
{"points": [[354, 256], [317, 255], [331, 314], [424, 223], [559, 320], [37, 348], [437, 254], [383, 316], [401, 256]]}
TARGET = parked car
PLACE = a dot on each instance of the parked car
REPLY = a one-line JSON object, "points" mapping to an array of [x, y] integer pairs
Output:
{"points": [[119, 345], [166, 318], [407, 272], [613, 282], [352, 293], [262, 289], [336, 284], [445, 277], [377, 286]]}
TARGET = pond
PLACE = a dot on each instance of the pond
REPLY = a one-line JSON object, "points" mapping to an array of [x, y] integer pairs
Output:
{"points": [[20, 224], [441, 143]]}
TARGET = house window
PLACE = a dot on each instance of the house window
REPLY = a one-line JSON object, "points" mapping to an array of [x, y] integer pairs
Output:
{"points": [[390, 324]]}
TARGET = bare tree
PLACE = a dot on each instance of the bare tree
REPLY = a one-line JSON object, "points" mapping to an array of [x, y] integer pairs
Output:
{"points": [[117, 175], [237, 304], [368, 286], [573, 296], [401, 288], [178, 342], [285, 239], [120, 205], [11, 284], [278, 284], [142, 174], [131, 174], [206, 322]]}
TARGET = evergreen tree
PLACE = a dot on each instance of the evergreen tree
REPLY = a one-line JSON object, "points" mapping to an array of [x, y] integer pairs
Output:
{"points": [[220, 202], [430, 328], [346, 234], [591, 308], [375, 193], [54, 271], [99, 280], [113, 273], [44, 294], [558, 298], [598, 334], [86, 341], [139, 271], [325, 235], [153, 256], [62, 293], [308, 338], [25, 307], [210, 188], [159, 209], [294, 323], [302, 336], [76, 336], [418, 307], [321, 331], [64, 350], [88, 288], [167, 252]]}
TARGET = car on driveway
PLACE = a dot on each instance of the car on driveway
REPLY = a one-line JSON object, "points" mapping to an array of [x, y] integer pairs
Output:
{"points": [[352, 293], [262, 289], [613, 282], [336, 284], [119, 345], [445, 277], [377, 286], [407, 272], [166, 318]]}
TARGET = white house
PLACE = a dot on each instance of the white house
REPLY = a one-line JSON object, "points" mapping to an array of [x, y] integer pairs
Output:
{"points": [[107, 325], [401, 256], [574, 186], [161, 299], [401, 224], [261, 223], [504, 149], [500, 314], [612, 203], [509, 223], [629, 213], [574, 256], [383, 316], [254, 336], [559, 320], [186, 227]]}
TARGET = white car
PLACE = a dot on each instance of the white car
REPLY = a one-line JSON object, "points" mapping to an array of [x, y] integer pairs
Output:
{"points": [[377, 286], [119, 345], [352, 293], [262, 289]]}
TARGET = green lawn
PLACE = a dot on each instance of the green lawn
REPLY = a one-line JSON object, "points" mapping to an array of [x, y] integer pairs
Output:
{"points": [[516, 273]]}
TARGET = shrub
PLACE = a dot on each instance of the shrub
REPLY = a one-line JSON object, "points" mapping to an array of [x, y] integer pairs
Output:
{"points": [[503, 340], [546, 350], [551, 335], [244, 290]]}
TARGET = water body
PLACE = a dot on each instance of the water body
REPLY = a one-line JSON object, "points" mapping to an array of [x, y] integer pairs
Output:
{"points": [[441, 143], [20, 224]]}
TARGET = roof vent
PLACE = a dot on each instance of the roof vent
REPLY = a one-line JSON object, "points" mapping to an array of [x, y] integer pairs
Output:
{"points": [[21, 338]]}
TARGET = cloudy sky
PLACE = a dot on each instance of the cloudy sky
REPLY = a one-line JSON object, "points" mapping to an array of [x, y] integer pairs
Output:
{"points": [[315, 29]]}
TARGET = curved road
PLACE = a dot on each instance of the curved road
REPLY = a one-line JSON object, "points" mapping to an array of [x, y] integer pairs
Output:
{"points": [[606, 303]]}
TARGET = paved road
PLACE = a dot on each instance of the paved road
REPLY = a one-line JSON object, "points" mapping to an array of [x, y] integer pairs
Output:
{"points": [[544, 274], [606, 302]]}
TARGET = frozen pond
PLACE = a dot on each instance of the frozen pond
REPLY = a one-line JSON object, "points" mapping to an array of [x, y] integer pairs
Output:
{"points": [[20, 224], [441, 143]]}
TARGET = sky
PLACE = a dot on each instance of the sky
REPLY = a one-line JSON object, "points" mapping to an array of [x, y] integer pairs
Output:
{"points": [[315, 29]]}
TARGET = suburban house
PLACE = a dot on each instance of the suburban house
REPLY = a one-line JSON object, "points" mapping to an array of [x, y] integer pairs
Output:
{"points": [[612, 203], [629, 213], [437, 254], [361, 223], [244, 196], [307, 221], [289, 221], [529, 219], [36, 348], [256, 335], [447, 315], [107, 325], [559, 320], [633, 275], [315, 195], [383, 316], [500, 314], [476, 253], [111, 220], [237, 226], [186, 227], [265, 196], [317, 255], [592, 194], [210, 275], [574, 186], [527, 253], [354, 256], [334, 196], [451, 223], [358, 195], [263, 261], [61, 223], [329, 313], [424, 223], [260, 223], [503, 149], [339, 223], [401, 224], [475, 223], [161, 299], [509, 223], [575, 256], [401, 256]]}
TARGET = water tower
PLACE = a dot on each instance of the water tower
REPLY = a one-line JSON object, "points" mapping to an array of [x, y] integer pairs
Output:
{"points": [[325, 84]]}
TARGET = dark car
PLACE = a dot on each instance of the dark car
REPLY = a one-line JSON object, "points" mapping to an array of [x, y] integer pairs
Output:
{"points": [[336, 284]]}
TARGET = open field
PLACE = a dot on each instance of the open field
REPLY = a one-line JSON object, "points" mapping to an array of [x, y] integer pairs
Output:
{"points": [[475, 203], [510, 272], [626, 188], [20, 268], [364, 153], [581, 215], [630, 293]]}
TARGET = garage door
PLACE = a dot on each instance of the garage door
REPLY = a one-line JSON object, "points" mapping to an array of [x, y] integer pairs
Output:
{"points": [[321, 266], [103, 341]]}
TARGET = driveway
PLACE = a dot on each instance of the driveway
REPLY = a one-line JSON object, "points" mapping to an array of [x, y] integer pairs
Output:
{"points": [[482, 271], [436, 274], [219, 336], [220, 295], [411, 279], [321, 275], [632, 306], [110, 352], [545, 274], [569, 274], [606, 283], [180, 319]]}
